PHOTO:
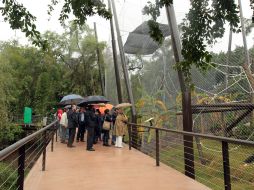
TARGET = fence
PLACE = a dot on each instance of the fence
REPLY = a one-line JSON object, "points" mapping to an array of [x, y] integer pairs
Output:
{"points": [[17, 159], [227, 169]]}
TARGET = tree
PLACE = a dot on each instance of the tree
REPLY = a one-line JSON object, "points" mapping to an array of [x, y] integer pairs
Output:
{"points": [[20, 18]]}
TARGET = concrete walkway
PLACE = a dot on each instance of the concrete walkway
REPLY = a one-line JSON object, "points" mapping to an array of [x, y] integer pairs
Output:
{"points": [[107, 168]]}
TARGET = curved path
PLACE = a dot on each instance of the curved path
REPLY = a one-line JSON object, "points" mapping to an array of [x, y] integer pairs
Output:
{"points": [[107, 168]]}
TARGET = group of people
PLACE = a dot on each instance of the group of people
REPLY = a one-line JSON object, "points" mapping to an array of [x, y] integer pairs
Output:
{"points": [[98, 126]]}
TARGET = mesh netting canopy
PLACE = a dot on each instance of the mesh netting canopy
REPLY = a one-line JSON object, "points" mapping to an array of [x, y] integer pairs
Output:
{"points": [[140, 42]]}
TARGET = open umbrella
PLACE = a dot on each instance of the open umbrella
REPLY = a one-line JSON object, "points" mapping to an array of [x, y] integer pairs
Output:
{"points": [[107, 106], [71, 99], [93, 100], [123, 105]]}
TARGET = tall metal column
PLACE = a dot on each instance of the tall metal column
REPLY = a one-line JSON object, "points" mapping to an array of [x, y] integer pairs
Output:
{"points": [[99, 61], [186, 95], [247, 57], [117, 75], [125, 71]]}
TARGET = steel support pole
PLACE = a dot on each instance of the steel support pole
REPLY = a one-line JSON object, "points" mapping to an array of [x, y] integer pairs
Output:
{"points": [[247, 57], [99, 60], [123, 60], [186, 95], [21, 169], [226, 166], [114, 51]]}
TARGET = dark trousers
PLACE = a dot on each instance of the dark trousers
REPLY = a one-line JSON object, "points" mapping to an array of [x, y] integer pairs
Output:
{"points": [[81, 132], [90, 137], [105, 136], [72, 132]]}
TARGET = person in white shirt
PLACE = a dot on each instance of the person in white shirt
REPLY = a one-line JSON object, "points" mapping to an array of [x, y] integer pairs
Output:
{"points": [[64, 125]]}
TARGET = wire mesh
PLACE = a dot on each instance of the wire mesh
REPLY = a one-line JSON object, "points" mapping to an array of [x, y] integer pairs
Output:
{"points": [[208, 164], [10, 165], [157, 95]]}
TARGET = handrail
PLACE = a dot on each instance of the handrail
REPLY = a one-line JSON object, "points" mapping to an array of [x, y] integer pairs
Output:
{"points": [[218, 138], [10, 149]]}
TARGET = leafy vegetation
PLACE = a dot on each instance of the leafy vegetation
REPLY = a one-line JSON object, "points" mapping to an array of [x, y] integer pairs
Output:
{"points": [[38, 79]]}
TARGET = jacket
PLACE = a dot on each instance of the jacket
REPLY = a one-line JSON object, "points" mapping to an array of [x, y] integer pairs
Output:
{"points": [[120, 125], [64, 120], [72, 119], [91, 119]]}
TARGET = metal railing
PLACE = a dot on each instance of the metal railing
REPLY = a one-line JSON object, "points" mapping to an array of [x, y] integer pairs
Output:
{"points": [[214, 169], [17, 159]]}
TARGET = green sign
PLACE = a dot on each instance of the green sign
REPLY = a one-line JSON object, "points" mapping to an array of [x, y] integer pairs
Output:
{"points": [[28, 115]]}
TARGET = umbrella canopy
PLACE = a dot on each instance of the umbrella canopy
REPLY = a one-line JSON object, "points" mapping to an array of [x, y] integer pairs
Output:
{"points": [[123, 105], [93, 100], [71, 99], [107, 106]]}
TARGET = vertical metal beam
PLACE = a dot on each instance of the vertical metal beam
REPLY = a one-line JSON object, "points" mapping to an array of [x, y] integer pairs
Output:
{"points": [[21, 169], [186, 95], [188, 140], [123, 60], [157, 147], [99, 61], [228, 55], [44, 150], [117, 75], [247, 57], [226, 166]]}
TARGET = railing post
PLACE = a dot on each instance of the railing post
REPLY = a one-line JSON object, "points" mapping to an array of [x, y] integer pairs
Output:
{"points": [[226, 166], [21, 169], [130, 135], [44, 150], [157, 147], [52, 140], [56, 128]]}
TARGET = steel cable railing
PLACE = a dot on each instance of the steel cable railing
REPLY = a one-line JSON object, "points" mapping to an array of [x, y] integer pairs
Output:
{"points": [[17, 159], [225, 169]]}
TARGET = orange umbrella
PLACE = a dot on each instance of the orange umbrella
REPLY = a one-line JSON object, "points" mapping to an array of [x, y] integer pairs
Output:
{"points": [[107, 106]]}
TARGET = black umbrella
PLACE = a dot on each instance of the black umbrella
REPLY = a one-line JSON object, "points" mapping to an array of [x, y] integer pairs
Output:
{"points": [[71, 99], [93, 100]]}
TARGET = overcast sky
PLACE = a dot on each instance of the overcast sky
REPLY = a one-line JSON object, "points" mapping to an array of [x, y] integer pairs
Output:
{"points": [[129, 15]]}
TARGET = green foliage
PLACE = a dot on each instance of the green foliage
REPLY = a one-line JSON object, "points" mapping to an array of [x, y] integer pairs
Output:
{"points": [[202, 26], [10, 133], [20, 18], [8, 171]]}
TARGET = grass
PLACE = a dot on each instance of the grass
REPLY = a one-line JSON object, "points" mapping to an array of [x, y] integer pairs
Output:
{"points": [[211, 173]]}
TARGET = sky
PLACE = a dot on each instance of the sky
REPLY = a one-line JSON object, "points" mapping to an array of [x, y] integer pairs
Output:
{"points": [[129, 15]]}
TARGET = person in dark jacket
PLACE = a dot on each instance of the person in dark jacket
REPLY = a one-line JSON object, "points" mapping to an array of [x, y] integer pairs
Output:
{"points": [[98, 128], [91, 123], [107, 118], [72, 125], [81, 125]]}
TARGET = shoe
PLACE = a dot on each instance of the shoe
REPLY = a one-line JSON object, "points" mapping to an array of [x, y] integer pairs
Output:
{"points": [[112, 143], [77, 140], [106, 145], [91, 149], [71, 146]]}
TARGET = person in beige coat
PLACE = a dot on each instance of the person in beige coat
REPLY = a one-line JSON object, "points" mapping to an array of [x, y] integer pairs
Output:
{"points": [[120, 127]]}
